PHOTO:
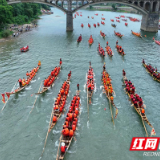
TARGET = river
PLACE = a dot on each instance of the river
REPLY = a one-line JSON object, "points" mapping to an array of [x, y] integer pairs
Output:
{"points": [[22, 135]]}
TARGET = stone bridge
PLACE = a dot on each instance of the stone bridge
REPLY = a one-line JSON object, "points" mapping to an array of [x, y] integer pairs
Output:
{"points": [[148, 8]]}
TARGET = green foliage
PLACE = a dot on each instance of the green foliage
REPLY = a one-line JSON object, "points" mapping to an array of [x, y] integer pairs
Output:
{"points": [[90, 7], [19, 13], [5, 13], [114, 7], [45, 7], [5, 33]]}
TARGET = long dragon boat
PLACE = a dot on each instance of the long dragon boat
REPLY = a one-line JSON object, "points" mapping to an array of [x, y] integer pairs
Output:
{"points": [[152, 71], [120, 50], [113, 25], [90, 85], [27, 81], [109, 51], [60, 101], [90, 41], [108, 90], [69, 127], [101, 50], [136, 34], [102, 34], [118, 34], [50, 80], [137, 102], [58, 107], [102, 23], [156, 41]]}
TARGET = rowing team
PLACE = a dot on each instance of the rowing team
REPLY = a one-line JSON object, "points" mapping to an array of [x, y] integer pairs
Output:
{"points": [[79, 38], [90, 40], [30, 75], [48, 81], [152, 70], [71, 120], [118, 34], [102, 22], [61, 99], [120, 49], [137, 34], [102, 34], [101, 50], [107, 84], [90, 80], [109, 51], [135, 98]]}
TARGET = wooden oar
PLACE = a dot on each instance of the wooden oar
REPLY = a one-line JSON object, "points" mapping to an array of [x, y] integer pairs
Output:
{"points": [[110, 107], [47, 132], [144, 127], [8, 99], [143, 123], [35, 99], [111, 110], [58, 147]]}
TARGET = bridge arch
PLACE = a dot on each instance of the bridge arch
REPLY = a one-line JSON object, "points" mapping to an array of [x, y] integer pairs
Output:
{"points": [[49, 3], [129, 3], [147, 6], [149, 9]]}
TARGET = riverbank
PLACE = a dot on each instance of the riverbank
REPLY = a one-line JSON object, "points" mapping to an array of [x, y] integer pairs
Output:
{"points": [[16, 30], [109, 8]]}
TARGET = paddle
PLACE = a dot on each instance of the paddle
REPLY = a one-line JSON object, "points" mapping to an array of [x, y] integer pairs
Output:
{"points": [[8, 98], [58, 147], [111, 110], [144, 124], [35, 99], [47, 132]]}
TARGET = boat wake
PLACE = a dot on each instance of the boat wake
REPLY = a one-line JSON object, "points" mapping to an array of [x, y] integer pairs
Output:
{"points": [[55, 132], [101, 95], [101, 87], [84, 88], [33, 81], [28, 88], [87, 124], [69, 151], [95, 89], [57, 143], [29, 106]]}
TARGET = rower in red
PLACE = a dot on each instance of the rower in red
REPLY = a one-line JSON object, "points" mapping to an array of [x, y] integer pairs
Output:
{"points": [[60, 63], [63, 147], [20, 82], [69, 75]]}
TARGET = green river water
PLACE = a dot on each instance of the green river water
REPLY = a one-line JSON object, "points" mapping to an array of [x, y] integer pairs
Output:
{"points": [[22, 135]]}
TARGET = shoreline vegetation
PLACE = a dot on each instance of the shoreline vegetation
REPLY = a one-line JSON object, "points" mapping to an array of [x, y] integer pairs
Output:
{"points": [[17, 18], [112, 8]]}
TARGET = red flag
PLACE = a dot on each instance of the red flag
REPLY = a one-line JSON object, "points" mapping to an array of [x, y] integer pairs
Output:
{"points": [[8, 94], [3, 98], [104, 108]]}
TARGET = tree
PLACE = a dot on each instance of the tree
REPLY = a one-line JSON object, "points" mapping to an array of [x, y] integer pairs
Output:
{"points": [[90, 7], [114, 7], [6, 15]]}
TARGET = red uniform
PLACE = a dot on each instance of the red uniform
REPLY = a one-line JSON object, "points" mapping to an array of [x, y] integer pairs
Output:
{"points": [[63, 149]]}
